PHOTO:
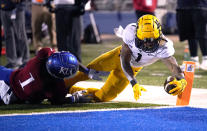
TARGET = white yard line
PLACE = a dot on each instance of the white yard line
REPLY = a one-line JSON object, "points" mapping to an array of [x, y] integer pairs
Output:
{"points": [[155, 95], [82, 111]]}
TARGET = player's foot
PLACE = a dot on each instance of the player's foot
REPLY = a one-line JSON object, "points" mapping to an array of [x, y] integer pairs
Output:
{"points": [[80, 97], [203, 65], [196, 60]]}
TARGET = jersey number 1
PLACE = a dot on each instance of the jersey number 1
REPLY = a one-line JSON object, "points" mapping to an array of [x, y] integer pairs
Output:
{"points": [[138, 57], [26, 82]]}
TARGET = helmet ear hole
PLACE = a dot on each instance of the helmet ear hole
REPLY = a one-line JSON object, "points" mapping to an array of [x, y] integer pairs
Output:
{"points": [[62, 65]]}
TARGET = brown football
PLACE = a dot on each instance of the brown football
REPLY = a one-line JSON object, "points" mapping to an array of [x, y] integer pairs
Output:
{"points": [[167, 86]]}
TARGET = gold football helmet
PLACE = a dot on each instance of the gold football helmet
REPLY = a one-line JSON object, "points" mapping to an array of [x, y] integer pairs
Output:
{"points": [[148, 33]]}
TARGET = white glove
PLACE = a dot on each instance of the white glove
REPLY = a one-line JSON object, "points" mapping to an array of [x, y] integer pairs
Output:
{"points": [[4, 95], [119, 31], [95, 75]]}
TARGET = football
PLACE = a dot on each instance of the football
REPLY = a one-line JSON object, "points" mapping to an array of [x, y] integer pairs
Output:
{"points": [[167, 86]]}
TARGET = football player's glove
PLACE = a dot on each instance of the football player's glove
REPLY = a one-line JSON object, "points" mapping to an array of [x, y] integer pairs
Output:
{"points": [[4, 95], [82, 97], [95, 75], [179, 86], [137, 91]]}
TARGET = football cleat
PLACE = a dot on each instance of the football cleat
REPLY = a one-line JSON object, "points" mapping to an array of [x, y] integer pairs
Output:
{"points": [[82, 97], [203, 65]]}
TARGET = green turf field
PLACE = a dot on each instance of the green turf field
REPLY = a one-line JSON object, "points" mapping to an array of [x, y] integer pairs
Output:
{"points": [[152, 75], [46, 107]]}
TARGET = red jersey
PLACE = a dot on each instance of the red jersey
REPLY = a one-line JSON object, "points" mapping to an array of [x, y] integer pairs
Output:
{"points": [[33, 83], [145, 5]]}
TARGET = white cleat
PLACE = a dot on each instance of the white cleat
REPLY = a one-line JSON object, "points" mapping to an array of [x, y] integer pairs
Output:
{"points": [[196, 60], [203, 65]]}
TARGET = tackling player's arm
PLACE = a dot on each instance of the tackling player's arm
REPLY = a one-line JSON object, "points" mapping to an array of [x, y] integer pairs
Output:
{"points": [[180, 81], [92, 74], [126, 67]]}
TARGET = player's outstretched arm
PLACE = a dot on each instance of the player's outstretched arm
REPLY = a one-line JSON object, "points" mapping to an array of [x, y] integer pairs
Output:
{"points": [[172, 65], [179, 81]]}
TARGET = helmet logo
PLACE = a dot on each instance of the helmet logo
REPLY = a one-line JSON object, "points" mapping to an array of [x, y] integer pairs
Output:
{"points": [[65, 71], [62, 65]]}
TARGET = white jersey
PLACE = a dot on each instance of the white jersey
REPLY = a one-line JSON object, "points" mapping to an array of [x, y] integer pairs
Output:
{"points": [[139, 57]]}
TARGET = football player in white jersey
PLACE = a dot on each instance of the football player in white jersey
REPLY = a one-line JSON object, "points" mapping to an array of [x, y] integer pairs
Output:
{"points": [[143, 45]]}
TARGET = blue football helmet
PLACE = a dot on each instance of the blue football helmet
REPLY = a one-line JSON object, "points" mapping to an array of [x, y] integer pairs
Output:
{"points": [[62, 65]]}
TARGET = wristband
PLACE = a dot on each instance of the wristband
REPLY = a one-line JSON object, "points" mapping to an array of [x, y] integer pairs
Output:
{"points": [[133, 82], [84, 69]]}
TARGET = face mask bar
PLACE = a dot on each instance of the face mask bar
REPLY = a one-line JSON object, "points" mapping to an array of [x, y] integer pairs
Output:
{"points": [[148, 45]]}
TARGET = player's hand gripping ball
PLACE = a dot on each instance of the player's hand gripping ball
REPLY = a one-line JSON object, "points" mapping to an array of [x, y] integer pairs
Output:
{"points": [[173, 86], [168, 87]]}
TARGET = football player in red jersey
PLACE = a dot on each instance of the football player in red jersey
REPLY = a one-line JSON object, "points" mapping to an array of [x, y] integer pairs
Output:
{"points": [[41, 78]]}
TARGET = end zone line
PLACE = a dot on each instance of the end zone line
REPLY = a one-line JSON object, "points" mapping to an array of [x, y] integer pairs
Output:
{"points": [[93, 110]]}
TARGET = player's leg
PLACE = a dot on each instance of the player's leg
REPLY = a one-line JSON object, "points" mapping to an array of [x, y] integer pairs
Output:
{"points": [[37, 21], [88, 90], [106, 62], [200, 22], [114, 85], [50, 21]]}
